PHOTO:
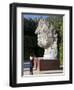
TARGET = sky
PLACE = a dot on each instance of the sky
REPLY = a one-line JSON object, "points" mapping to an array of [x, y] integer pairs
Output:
{"points": [[33, 16]]}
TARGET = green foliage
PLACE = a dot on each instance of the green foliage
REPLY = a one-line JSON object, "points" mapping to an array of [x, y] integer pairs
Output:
{"points": [[57, 22], [30, 39], [61, 53]]}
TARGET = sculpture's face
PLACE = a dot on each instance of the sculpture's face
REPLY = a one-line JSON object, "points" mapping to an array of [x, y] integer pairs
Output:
{"points": [[44, 36], [42, 39]]}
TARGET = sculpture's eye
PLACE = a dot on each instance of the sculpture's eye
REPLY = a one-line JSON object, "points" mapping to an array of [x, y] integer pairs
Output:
{"points": [[44, 30]]}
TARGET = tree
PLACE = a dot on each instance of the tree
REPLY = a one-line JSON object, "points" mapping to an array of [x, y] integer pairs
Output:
{"points": [[57, 22]]}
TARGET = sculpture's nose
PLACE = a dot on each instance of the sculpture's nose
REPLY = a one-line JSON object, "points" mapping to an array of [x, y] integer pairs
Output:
{"points": [[37, 31]]}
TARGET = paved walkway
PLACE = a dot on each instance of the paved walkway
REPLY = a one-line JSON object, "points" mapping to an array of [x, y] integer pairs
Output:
{"points": [[27, 72]]}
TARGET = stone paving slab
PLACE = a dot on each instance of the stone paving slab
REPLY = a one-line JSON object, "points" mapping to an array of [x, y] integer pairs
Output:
{"points": [[43, 72]]}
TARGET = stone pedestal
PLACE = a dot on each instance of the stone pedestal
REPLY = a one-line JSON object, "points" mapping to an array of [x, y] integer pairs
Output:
{"points": [[44, 65]]}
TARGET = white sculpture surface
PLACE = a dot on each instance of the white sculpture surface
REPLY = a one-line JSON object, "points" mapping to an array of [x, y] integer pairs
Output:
{"points": [[47, 39]]}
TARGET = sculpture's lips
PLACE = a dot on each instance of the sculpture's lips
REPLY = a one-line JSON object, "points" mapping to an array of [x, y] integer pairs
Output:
{"points": [[41, 36], [40, 39]]}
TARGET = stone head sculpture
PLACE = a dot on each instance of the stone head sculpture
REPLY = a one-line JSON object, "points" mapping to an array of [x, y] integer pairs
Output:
{"points": [[47, 39]]}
